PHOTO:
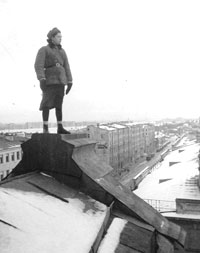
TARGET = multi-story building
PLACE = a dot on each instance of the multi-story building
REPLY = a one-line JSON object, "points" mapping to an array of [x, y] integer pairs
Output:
{"points": [[149, 138], [120, 144], [136, 141], [107, 143], [10, 155]]}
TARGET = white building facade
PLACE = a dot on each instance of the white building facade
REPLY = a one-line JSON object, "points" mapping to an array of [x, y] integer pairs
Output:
{"points": [[10, 155]]}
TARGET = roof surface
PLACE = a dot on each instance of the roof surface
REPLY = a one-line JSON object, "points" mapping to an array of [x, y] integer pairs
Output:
{"points": [[6, 144], [38, 214], [107, 127], [118, 126], [176, 181]]}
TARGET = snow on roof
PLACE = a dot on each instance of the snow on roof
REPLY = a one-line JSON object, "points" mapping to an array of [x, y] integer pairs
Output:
{"points": [[129, 123], [112, 238], [118, 126], [107, 127], [6, 144], [176, 181], [34, 221], [137, 123]]}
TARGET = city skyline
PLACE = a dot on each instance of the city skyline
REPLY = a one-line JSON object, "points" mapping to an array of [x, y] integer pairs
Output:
{"points": [[103, 122], [130, 60]]}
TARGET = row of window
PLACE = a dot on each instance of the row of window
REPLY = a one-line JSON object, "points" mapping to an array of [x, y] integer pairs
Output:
{"points": [[10, 157]]}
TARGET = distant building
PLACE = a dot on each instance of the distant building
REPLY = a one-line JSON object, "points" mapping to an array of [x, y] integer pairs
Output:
{"points": [[107, 143], [120, 144], [137, 140], [123, 155], [10, 155], [149, 138]]}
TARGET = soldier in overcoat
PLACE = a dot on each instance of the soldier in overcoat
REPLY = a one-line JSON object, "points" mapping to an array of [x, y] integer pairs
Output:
{"points": [[54, 74]]}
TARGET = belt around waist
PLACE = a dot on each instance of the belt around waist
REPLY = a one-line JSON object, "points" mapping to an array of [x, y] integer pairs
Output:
{"points": [[56, 65]]}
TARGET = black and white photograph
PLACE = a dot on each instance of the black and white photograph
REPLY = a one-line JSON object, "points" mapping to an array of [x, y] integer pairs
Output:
{"points": [[99, 126]]}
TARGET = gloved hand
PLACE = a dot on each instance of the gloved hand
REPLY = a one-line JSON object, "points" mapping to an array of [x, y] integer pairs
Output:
{"points": [[69, 85], [43, 84]]}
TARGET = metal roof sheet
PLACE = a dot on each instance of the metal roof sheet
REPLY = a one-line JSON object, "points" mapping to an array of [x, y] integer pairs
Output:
{"points": [[38, 214]]}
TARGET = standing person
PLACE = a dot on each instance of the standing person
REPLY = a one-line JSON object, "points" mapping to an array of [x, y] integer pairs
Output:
{"points": [[53, 72]]}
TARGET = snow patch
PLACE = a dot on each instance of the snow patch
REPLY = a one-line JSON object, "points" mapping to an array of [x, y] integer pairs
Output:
{"points": [[112, 238]]}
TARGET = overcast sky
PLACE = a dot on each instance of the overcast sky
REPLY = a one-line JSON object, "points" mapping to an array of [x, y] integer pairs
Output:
{"points": [[129, 59]]}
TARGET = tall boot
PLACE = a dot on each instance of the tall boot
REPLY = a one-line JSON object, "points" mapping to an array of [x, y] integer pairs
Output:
{"points": [[45, 128], [61, 130]]}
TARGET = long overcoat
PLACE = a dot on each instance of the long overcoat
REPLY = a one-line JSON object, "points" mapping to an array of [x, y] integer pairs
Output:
{"points": [[52, 63]]}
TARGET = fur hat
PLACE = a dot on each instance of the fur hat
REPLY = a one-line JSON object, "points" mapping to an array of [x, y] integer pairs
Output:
{"points": [[53, 32]]}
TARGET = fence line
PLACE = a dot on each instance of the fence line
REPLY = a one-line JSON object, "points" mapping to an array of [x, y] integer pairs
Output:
{"points": [[162, 205]]}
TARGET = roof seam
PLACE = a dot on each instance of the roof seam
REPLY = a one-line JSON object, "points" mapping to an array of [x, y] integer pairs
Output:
{"points": [[49, 193]]}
